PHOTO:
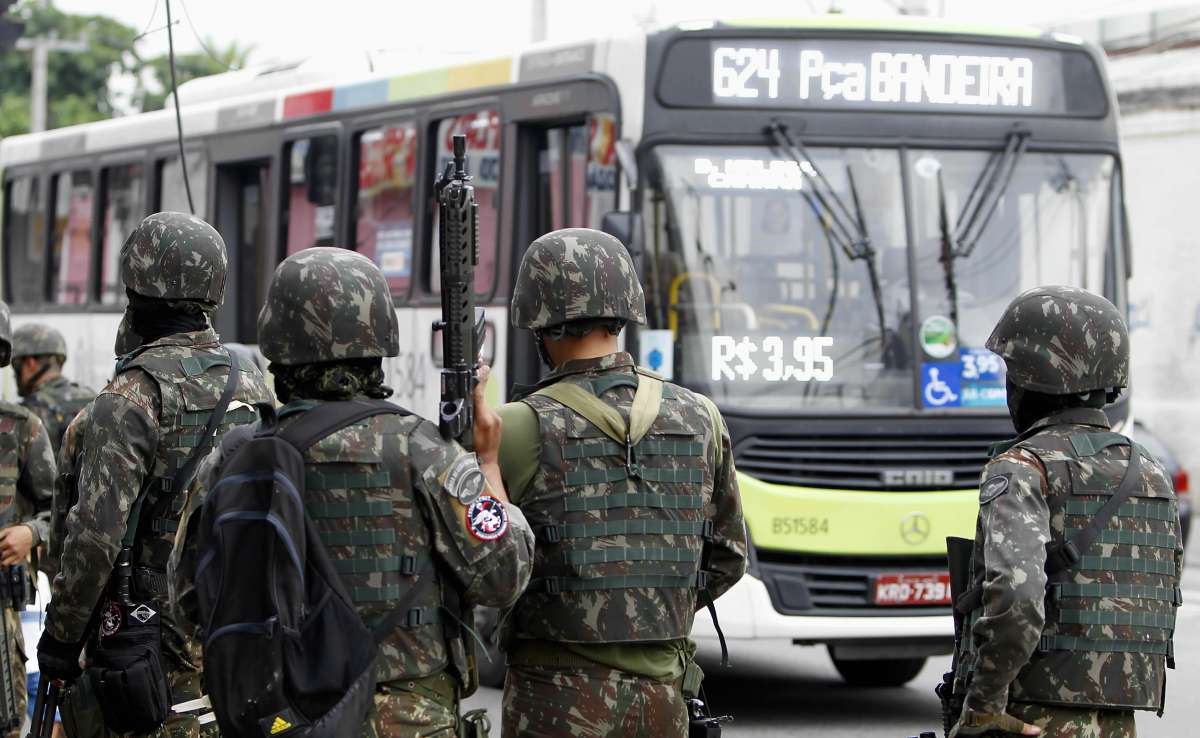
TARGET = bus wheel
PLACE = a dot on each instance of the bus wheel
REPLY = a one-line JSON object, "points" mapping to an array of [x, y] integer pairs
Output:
{"points": [[878, 672]]}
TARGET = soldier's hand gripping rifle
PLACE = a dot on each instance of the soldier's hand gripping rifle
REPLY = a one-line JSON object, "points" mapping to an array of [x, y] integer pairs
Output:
{"points": [[462, 323]]}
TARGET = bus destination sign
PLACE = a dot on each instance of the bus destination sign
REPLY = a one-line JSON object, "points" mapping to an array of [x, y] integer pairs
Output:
{"points": [[883, 74]]}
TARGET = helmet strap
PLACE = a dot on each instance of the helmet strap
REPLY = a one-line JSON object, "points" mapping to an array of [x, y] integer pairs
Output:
{"points": [[539, 340], [26, 388]]}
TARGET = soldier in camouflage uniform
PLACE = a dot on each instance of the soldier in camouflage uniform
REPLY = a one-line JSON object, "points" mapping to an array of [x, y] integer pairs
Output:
{"points": [[170, 373], [629, 484], [26, 481], [39, 353], [396, 506], [1065, 634]]}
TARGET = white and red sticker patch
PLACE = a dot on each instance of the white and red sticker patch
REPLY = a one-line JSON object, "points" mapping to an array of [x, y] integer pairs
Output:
{"points": [[110, 619], [486, 518]]}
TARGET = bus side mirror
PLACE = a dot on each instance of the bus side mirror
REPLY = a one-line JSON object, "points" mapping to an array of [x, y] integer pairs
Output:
{"points": [[626, 227]]}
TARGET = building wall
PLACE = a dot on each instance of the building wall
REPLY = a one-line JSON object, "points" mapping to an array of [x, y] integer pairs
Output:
{"points": [[1162, 189]]}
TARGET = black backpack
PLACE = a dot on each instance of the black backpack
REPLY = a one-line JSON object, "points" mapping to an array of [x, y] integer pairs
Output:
{"points": [[285, 654]]}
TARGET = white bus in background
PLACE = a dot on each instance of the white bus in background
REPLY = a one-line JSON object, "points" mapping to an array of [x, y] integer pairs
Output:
{"points": [[956, 166]]}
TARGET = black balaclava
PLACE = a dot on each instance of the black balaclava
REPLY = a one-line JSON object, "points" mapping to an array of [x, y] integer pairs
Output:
{"points": [[331, 380], [152, 318], [1026, 407]]}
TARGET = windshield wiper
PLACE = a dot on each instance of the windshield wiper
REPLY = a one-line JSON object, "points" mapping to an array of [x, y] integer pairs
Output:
{"points": [[989, 188], [847, 228]]}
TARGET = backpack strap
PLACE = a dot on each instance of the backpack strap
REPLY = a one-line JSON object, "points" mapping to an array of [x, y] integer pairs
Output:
{"points": [[330, 417], [183, 477], [1063, 557]]}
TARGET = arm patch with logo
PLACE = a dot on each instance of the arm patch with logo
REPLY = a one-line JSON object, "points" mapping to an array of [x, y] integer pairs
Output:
{"points": [[464, 480], [993, 488]]}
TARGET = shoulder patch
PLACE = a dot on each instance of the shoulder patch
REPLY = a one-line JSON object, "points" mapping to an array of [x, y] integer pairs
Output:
{"points": [[487, 519], [464, 479], [993, 488]]}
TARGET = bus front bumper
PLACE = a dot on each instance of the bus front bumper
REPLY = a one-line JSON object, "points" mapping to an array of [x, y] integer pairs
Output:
{"points": [[746, 612]]}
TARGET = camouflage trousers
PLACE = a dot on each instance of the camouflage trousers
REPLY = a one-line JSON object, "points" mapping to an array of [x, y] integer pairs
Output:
{"points": [[418, 708], [1071, 722], [590, 702], [16, 660]]}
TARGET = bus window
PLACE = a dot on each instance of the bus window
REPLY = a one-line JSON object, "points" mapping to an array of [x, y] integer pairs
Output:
{"points": [[25, 247], [482, 129], [312, 193], [171, 193], [578, 174], [123, 205], [383, 225], [71, 242]]}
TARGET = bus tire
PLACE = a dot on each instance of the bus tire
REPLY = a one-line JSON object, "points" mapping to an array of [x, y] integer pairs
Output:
{"points": [[878, 672]]}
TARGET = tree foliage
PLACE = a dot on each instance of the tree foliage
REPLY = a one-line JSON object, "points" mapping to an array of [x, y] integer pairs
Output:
{"points": [[80, 85]]}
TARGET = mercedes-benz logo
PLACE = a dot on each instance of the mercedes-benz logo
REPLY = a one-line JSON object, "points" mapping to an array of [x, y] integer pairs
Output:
{"points": [[914, 528]]}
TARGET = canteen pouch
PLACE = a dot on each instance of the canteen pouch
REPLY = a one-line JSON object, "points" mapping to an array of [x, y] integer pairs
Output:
{"points": [[127, 670]]}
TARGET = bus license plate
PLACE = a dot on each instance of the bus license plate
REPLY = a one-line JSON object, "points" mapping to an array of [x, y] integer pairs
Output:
{"points": [[912, 589]]}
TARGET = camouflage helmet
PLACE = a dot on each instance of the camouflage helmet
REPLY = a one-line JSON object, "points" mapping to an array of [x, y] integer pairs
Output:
{"points": [[175, 256], [572, 274], [1062, 340], [38, 339], [5, 335], [327, 304]]}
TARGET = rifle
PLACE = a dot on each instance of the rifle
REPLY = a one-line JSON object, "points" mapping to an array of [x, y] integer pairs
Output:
{"points": [[14, 594], [958, 559], [462, 324], [44, 708]]}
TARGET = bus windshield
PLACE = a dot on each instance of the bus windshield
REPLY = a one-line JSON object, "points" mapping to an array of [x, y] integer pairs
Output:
{"points": [[758, 253]]}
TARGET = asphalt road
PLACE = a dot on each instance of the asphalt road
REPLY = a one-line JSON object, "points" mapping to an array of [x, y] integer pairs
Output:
{"points": [[776, 689]]}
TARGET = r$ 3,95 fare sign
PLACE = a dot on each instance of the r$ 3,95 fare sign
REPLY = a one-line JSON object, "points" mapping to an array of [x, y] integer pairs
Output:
{"points": [[772, 359]]}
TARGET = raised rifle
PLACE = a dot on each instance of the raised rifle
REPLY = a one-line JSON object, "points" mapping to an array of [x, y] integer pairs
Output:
{"points": [[462, 324]]}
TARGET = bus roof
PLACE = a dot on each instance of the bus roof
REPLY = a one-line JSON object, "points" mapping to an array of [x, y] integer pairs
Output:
{"points": [[280, 95]]}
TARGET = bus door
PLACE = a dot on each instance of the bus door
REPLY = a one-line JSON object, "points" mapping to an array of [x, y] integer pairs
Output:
{"points": [[241, 218], [566, 179]]}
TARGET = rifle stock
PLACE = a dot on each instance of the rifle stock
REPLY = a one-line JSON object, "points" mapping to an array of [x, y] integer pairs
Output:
{"points": [[462, 323]]}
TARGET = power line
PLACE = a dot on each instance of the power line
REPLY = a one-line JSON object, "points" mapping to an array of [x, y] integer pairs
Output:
{"points": [[187, 185], [200, 41]]}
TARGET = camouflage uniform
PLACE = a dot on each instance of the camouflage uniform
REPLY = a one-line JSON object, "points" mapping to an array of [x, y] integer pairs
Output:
{"points": [[26, 480], [143, 425], [629, 483], [1072, 643], [55, 400], [388, 495], [79, 708]]}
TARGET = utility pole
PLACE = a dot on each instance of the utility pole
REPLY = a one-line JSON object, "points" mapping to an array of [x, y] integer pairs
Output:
{"points": [[538, 30], [41, 46]]}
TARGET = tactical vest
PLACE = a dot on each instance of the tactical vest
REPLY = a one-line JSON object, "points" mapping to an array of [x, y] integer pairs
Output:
{"points": [[620, 505], [190, 388], [360, 499], [57, 403], [1110, 617], [12, 418]]}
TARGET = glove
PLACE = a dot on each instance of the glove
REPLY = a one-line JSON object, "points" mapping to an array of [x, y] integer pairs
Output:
{"points": [[58, 660], [981, 723]]}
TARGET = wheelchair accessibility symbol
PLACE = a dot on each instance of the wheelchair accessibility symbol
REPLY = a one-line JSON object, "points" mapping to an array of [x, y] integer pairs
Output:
{"points": [[941, 384]]}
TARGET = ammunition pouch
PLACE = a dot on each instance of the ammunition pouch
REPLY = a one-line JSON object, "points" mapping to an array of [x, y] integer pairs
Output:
{"points": [[127, 668], [16, 588]]}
